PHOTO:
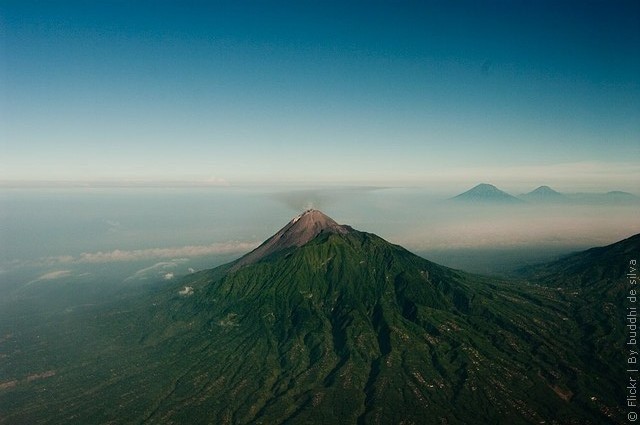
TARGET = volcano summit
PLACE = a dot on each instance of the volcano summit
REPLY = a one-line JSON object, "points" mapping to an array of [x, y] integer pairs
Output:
{"points": [[298, 232]]}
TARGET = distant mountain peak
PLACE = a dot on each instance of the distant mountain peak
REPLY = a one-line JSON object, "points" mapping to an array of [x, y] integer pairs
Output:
{"points": [[300, 230], [485, 192], [544, 189], [619, 193], [543, 194], [486, 186]]}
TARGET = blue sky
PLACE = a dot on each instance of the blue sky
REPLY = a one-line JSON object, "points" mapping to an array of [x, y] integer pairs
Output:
{"points": [[516, 93]]}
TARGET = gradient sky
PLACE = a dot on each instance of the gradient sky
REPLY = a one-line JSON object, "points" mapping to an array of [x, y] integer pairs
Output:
{"points": [[509, 92]]}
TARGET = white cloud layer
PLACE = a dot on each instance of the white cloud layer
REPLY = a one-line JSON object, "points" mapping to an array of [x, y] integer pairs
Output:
{"points": [[119, 255], [162, 270], [58, 274]]}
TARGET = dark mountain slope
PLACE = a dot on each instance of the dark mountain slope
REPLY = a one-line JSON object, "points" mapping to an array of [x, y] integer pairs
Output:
{"points": [[594, 285], [595, 268]]}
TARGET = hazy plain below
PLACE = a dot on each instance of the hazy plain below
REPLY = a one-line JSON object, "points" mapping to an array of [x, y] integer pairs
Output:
{"points": [[93, 239]]}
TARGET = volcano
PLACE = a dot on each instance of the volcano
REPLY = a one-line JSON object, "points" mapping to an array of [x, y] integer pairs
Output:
{"points": [[486, 193], [325, 324], [544, 194]]}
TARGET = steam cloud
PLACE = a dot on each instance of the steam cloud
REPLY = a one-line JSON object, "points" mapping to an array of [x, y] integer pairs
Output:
{"points": [[299, 200]]}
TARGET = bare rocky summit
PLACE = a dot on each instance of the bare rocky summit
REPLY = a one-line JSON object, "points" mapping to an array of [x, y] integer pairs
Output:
{"points": [[296, 233]]}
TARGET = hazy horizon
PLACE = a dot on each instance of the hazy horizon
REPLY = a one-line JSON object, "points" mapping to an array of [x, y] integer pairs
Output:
{"points": [[155, 234]]}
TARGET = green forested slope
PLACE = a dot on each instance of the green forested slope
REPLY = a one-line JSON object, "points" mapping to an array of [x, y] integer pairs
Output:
{"points": [[346, 329]]}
